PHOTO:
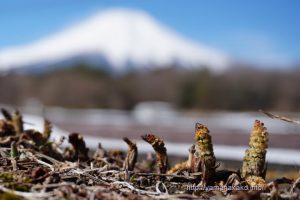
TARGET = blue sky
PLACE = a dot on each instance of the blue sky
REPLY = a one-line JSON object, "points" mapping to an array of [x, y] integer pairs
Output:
{"points": [[267, 31]]}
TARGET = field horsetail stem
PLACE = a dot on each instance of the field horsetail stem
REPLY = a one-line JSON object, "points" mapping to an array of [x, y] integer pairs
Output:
{"points": [[131, 156], [160, 150], [33, 166], [47, 129], [206, 161], [18, 122], [254, 167]]}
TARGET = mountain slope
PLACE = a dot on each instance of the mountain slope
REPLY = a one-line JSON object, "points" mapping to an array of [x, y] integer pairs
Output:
{"points": [[120, 37]]}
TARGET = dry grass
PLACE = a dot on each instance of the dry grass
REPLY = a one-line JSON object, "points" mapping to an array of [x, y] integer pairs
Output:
{"points": [[33, 167]]}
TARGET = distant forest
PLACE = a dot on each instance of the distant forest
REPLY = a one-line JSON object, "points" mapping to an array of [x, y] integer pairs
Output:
{"points": [[85, 87]]}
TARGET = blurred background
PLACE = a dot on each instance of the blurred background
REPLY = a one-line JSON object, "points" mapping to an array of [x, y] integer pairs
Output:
{"points": [[111, 69]]}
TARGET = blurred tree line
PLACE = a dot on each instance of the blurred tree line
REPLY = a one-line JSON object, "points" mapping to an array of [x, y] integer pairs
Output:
{"points": [[85, 87]]}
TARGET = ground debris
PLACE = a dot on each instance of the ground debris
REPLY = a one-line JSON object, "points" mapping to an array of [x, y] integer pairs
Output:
{"points": [[34, 167]]}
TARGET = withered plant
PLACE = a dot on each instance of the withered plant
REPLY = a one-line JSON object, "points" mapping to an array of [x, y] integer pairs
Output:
{"points": [[34, 167], [6, 114], [160, 150], [131, 156], [47, 129], [79, 150], [18, 122]]}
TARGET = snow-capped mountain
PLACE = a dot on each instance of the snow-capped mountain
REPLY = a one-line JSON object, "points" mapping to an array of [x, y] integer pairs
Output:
{"points": [[120, 38]]}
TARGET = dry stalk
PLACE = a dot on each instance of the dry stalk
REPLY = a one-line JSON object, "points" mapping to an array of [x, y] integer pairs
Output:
{"points": [[29, 195], [294, 185], [129, 186], [279, 117], [131, 156], [160, 150], [191, 159], [192, 177], [6, 114], [79, 147], [18, 122], [47, 129]]}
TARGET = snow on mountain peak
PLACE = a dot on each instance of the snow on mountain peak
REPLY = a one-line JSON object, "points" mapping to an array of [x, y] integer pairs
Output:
{"points": [[121, 36]]}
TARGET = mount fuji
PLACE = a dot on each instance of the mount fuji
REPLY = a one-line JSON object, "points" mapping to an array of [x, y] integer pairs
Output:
{"points": [[118, 38]]}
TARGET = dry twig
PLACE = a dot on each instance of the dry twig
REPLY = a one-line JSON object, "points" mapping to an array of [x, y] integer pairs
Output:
{"points": [[279, 117]]}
